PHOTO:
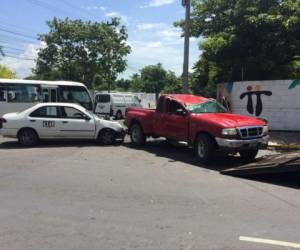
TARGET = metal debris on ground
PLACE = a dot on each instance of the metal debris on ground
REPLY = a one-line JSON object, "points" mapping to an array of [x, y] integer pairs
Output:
{"points": [[271, 164]]}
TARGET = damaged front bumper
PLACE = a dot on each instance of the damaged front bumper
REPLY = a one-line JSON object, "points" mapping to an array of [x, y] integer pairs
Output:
{"points": [[236, 144]]}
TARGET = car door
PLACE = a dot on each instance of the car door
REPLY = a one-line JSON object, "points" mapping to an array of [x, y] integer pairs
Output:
{"points": [[45, 120], [175, 121], [75, 124]]}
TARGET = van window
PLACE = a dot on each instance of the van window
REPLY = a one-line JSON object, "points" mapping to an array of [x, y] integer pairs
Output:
{"points": [[23, 93], [103, 98]]}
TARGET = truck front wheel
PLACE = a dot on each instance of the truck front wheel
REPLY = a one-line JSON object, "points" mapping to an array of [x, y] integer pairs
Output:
{"points": [[249, 155], [137, 135], [204, 148]]}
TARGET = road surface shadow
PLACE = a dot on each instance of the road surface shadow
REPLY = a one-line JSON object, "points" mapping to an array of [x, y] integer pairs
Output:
{"points": [[181, 153], [13, 144]]}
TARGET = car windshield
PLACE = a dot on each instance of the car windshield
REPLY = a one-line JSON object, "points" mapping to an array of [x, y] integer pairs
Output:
{"points": [[210, 106]]}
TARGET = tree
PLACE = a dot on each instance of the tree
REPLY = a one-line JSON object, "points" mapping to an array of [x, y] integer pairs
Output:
{"points": [[77, 50], [5, 72], [136, 83], [173, 83], [247, 40], [1, 51], [154, 78]]}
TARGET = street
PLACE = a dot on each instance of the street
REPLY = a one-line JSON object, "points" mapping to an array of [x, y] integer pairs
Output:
{"points": [[80, 195]]}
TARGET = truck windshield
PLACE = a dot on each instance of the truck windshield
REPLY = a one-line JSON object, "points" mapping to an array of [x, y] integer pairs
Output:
{"points": [[210, 106]]}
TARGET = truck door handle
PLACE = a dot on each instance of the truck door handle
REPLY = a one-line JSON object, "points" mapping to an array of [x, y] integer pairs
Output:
{"points": [[32, 120], [65, 122]]}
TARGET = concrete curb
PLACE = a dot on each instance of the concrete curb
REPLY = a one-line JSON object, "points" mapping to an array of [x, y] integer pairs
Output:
{"points": [[278, 146]]}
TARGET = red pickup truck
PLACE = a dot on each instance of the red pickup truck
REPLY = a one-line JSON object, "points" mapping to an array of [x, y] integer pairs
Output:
{"points": [[203, 123]]}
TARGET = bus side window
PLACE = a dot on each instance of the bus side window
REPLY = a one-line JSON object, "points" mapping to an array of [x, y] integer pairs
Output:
{"points": [[3, 94]]}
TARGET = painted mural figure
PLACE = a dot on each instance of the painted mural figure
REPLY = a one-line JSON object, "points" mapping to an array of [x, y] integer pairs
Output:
{"points": [[258, 93]]}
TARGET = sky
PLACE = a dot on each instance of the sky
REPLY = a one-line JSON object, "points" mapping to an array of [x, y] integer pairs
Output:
{"points": [[152, 36]]}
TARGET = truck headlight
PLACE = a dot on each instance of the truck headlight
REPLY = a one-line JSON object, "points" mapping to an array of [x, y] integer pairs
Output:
{"points": [[229, 132], [265, 130]]}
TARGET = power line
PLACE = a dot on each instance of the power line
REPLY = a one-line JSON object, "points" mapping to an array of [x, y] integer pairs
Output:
{"points": [[21, 58], [88, 13], [47, 6], [17, 33], [11, 48]]}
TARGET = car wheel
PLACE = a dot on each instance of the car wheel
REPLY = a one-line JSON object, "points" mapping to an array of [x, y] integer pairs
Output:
{"points": [[118, 115], [137, 135], [107, 137], [248, 155], [204, 148], [28, 137]]}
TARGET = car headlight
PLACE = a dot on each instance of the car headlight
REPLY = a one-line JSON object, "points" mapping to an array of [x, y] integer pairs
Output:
{"points": [[229, 132], [265, 130]]}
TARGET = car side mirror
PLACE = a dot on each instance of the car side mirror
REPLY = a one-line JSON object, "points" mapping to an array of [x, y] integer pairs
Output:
{"points": [[87, 118], [181, 112]]}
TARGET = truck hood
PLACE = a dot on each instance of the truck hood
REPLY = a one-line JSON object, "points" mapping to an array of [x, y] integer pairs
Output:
{"points": [[228, 120]]}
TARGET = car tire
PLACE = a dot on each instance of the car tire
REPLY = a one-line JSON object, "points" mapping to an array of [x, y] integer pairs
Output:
{"points": [[137, 135], [107, 137], [248, 155], [205, 148], [118, 115], [28, 137]]}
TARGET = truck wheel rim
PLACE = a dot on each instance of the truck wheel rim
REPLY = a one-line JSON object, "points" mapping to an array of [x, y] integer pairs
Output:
{"points": [[201, 149]]}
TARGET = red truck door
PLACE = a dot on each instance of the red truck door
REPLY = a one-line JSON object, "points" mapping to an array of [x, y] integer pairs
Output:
{"points": [[158, 118], [176, 121]]}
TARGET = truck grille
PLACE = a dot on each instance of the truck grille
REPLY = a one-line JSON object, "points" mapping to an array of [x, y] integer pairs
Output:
{"points": [[250, 132]]}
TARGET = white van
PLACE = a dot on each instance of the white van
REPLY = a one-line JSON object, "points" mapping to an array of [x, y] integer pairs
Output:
{"points": [[115, 104]]}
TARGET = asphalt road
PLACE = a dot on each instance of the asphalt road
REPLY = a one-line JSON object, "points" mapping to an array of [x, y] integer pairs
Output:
{"points": [[72, 195]]}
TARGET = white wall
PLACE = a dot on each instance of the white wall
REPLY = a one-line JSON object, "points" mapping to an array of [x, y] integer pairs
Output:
{"points": [[282, 109]]}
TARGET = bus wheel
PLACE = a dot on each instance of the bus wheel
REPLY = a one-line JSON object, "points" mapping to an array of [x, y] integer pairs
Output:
{"points": [[118, 115], [27, 137]]}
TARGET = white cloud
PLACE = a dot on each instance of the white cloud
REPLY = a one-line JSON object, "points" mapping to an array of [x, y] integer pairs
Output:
{"points": [[150, 26], [170, 33], [117, 14], [24, 62], [157, 3], [95, 7]]}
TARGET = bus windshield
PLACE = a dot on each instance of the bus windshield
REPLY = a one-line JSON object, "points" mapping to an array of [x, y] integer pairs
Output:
{"points": [[76, 94], [210, 106]]}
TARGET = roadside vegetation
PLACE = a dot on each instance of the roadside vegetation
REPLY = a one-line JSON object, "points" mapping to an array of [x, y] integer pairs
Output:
{"points": [[239, 40]]}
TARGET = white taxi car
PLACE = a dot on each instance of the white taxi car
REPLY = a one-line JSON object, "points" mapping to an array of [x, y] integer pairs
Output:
{"points": [[58, 121]]}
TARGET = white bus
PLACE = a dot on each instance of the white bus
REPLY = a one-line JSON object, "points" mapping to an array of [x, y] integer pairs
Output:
{"points": [[18, 95]]}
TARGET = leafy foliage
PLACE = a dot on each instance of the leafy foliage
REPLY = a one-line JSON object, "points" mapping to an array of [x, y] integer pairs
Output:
{"points": [[152, 79], [246, 40], [5, 72], [77, 50]]}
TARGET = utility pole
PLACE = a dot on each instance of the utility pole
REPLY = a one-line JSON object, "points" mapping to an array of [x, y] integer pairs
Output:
{"points": [[185, 74]]}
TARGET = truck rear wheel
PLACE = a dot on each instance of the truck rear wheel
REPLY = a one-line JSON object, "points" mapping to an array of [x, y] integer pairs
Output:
{"points": [[137, 135], [248, 155], [204, 148]]}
